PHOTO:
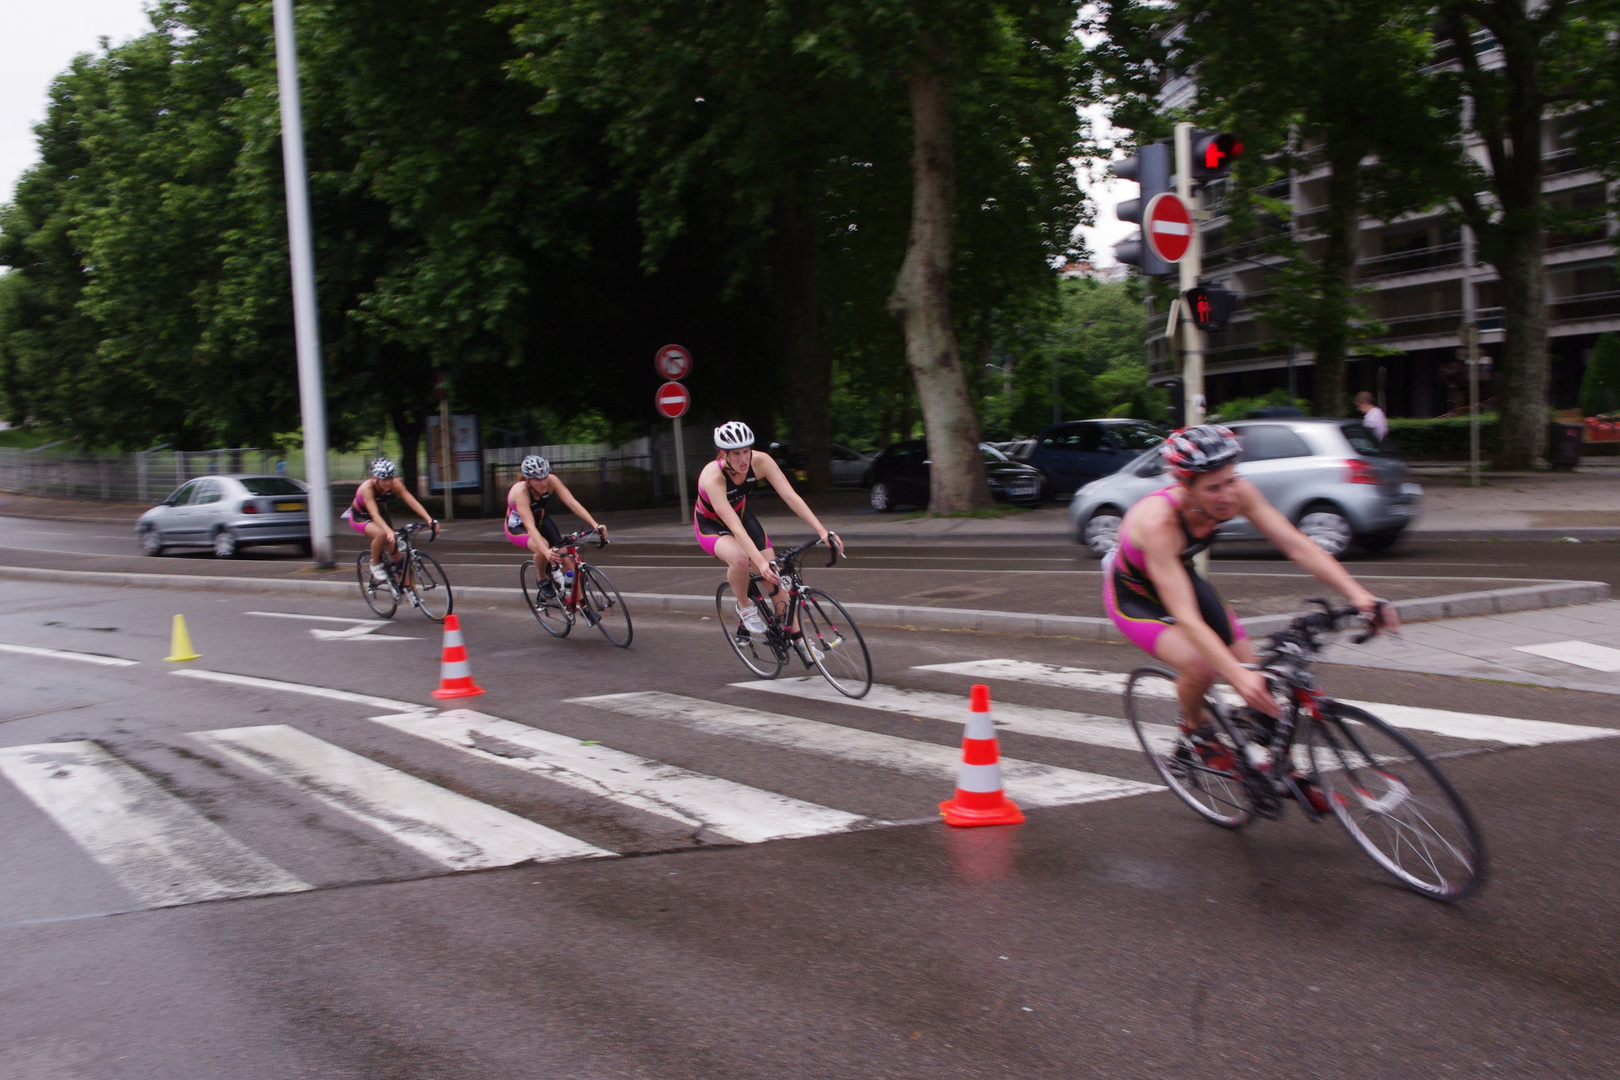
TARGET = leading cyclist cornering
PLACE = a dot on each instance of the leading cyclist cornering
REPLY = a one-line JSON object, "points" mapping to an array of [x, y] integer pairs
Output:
{"points": [[1162, 604]]}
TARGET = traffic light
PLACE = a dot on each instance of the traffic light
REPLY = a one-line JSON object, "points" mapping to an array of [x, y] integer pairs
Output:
{"points": [[1213, 153], [1209, 307], [1150, 168]]}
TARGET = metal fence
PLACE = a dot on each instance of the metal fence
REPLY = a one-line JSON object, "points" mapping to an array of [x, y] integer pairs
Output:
{"points": [[602, 476]]}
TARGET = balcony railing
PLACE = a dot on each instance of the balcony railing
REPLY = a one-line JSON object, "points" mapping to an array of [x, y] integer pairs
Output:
{"points": [[1407, 262], [1599, 305]]}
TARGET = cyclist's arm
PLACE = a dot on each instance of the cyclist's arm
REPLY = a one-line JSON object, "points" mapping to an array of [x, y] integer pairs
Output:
{"points": [[410, 501], [1163, 551], [766, 466], [713, 485], [560, 489], [1306, 554]]}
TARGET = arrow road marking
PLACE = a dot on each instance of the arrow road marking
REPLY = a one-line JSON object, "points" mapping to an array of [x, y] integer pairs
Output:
{"points": [[358, 628]]}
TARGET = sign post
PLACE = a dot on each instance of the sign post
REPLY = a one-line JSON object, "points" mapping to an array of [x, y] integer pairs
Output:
{"points": [[1470, 355], [674, 363]]}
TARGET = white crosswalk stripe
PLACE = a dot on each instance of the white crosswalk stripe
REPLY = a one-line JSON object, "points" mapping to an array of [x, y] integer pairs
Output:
{"points": [[157, 847], [729, 810], [1078, 727], [453, 830], [1029, 783], [1458, 725]]}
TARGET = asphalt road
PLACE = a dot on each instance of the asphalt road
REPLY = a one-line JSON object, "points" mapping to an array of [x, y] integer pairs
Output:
{"points": [[1118, 937], [997, 574]]}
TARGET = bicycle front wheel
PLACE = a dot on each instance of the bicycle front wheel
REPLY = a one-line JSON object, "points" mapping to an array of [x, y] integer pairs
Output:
{"points": [[1203, 775], [1396, 803], [604, 606], [835, 643], [548, 610], [429, 586], [379, 595], [751, 649]]}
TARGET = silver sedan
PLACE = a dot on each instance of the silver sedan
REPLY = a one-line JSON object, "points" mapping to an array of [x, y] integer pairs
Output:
{"points": [[1331, 478], [228, 512]]}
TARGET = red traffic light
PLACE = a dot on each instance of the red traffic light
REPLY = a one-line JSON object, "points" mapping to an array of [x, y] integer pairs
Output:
{"points": [[1214, 153], [1208, 307]]}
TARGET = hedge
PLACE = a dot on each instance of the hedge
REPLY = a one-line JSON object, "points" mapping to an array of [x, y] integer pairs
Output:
{"points": [[1441, 439]]}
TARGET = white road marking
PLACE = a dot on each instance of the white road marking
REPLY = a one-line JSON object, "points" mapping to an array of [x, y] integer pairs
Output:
{"points": [[359, 629], [953, 708], [367, 700], [734, 811], [1457, 725], [1028, 782], [1580, 653], [451, 829], [157, 847], [63, 654]]}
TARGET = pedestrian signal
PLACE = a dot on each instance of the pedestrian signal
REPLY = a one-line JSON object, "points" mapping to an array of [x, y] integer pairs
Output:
{"points": [[1208, 307]]}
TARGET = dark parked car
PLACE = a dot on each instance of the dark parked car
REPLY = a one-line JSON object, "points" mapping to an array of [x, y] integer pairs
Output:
{"points": [[1072, 455], [227, 513], [900, 475]]}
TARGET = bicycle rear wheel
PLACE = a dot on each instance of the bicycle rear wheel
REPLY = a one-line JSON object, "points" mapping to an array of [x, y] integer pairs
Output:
{"points": [[548, 610], [835, 643], [380, 597], [1396, 804], [1204, 776], [604, 606], [430, 587], [751, 649]]}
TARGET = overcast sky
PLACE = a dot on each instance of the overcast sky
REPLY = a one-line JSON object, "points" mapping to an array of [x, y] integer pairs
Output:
{"points": [[43, 36]]}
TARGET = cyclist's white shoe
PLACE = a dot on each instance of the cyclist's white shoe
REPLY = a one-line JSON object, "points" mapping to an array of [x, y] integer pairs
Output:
{"points": [[379, 574], [808, 652], [751, 620]]}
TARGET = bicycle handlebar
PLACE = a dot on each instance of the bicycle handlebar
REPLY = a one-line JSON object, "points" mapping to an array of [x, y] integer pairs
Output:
{"points": [[574, 538], [1311, 623], [794, 553]]}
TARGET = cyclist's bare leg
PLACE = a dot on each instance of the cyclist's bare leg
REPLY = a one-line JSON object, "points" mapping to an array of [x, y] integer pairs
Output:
{"points": [[780, 600], [1194, 674], [377, 535], [540, 565], [728, 551]]}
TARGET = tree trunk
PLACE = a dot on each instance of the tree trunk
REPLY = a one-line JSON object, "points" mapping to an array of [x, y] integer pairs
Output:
{"points": [[1335, 303], [921, 302], [1521, 377], [796, 296], [410, 437]]}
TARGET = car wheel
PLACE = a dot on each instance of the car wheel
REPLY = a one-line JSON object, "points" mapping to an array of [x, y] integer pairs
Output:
{"points": [[882, 500], [151, 543], [1374, 543], [224, 544], [1328, 528], [1101, 531]]}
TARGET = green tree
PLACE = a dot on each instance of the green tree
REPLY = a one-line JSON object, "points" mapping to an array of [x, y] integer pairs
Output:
{"points": [[1600, 385]]}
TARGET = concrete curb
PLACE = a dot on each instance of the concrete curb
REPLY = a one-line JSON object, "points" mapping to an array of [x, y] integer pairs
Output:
{"points": [[1084, 627]]}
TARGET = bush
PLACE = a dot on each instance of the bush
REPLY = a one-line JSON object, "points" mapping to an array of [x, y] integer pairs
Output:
{"points": [[1600, 386], [1238, 408], [1440, 439]]}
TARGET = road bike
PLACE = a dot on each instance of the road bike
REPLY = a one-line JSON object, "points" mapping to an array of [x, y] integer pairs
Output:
{"points": [[412, 573], [832, 643], [1387, 793], [591, 595]]}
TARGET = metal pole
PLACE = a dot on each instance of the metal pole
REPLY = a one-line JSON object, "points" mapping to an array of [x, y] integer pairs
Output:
{"points": [[1057, 409], [306, 331], [1471, 357], [680, 468], [447, 458], [1191, 268]]}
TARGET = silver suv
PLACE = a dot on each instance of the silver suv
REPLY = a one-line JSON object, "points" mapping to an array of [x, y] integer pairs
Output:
{"points": [[1329, 477]]}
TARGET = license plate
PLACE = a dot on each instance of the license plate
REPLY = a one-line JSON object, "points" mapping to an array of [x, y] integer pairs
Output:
{"points": [[1401, 510], [288, 507]]}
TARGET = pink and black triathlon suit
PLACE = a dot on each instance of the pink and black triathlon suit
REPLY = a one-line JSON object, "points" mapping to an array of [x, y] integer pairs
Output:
{"points": [[517, 534], [1133, 603], [359, 517], [706, 524]]}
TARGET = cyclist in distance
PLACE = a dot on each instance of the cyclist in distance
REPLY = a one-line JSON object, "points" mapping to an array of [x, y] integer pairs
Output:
{"points": [[368, 513], [1162, 604], [531, 528], [729, 531]]}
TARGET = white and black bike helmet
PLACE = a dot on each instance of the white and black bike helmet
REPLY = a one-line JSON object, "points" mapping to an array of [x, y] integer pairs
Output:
{"points": [[733, 435], [536, 467], [383, 469]]}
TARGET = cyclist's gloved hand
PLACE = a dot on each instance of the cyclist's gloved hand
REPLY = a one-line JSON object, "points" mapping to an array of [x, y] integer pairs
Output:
{"points": [[1255, 691], [435, 524], [767, 570], [832, 539], [1378, 614]]}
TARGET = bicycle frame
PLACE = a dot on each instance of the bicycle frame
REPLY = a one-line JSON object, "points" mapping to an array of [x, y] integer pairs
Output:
{"points": [[569, 548], [778, 627]]}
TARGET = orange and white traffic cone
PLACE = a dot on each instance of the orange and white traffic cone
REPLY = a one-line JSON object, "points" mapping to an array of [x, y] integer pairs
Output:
{"points": [[980, 799], [455, 674]]}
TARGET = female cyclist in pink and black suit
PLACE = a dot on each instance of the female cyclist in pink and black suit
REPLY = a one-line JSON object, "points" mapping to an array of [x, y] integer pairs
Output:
{"points": [[368, 513], [531, 528], [729, 531], [1161, 603]]}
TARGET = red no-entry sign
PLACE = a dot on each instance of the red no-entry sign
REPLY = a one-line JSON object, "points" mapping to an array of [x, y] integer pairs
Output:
{"points": [[672, 400], [1167, 227], [673, 362]]}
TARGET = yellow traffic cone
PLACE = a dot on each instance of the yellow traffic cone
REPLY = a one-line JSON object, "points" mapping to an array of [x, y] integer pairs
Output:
{"points": [[180, 642]]}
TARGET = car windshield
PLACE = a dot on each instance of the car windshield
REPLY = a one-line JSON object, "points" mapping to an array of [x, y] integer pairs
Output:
{"points": [[1138, 436], [270, 485], [1365, 442], [992, 454]]}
